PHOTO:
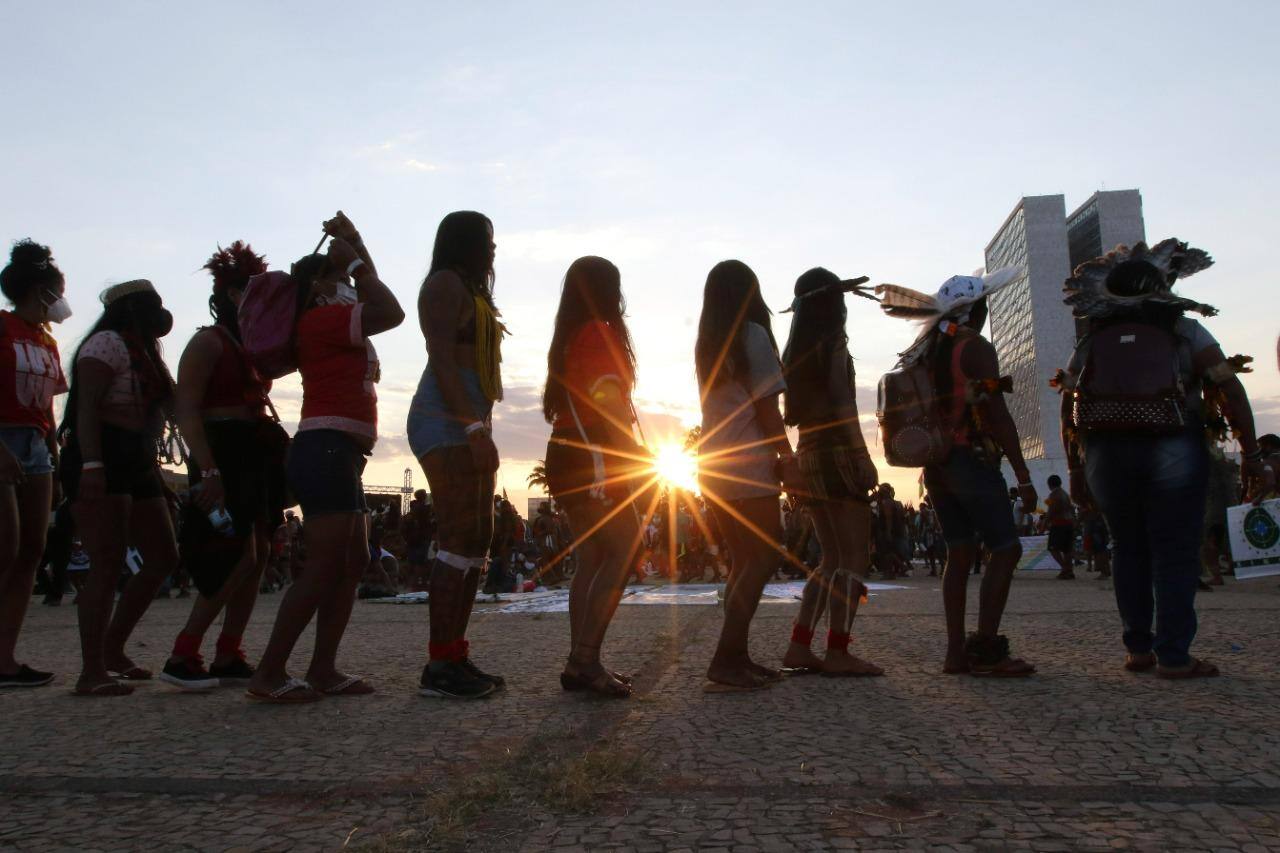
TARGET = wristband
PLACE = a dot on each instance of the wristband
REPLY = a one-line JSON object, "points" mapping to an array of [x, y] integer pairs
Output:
{"points": [[475, 427], [1020, 477], [353, 266], [93, 466], [210, 472]]}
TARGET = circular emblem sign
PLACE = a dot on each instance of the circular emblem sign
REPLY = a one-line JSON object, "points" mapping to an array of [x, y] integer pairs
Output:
{"points": [[1261, 529]]}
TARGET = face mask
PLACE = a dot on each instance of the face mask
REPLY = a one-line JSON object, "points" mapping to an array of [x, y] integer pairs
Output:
{"points": [[343, 294], [163, 323], [58, 310]]}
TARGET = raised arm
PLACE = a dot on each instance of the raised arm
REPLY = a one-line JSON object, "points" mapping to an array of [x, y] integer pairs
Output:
{"points": [[380, 311]]}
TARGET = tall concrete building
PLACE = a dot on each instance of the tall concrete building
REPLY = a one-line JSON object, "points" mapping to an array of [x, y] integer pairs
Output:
{"points": [[1033, 332]]}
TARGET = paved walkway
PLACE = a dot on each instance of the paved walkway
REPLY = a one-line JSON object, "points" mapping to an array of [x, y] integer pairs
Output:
{"points": [[1083, 756]]}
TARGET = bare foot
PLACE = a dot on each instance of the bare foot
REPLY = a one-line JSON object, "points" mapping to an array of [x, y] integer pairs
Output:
{"points": [[766, 672], [800, 657], [736, 673], [956, 663], [843, 663]]}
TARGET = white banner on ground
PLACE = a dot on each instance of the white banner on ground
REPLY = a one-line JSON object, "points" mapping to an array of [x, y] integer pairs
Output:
{"points": [[1255, 539], [1036, 556]]}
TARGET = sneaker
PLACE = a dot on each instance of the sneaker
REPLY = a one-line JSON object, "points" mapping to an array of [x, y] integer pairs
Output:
{"points": [[237, 670], [26, 677], [453, 681], [189, 674], [497, 681]]}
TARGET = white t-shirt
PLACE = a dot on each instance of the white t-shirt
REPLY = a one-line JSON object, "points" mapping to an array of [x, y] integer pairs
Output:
{"points": [[737, 463]]}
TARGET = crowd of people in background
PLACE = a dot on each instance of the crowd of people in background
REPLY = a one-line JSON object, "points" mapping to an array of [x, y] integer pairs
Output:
{"points": [[1150, 403]]}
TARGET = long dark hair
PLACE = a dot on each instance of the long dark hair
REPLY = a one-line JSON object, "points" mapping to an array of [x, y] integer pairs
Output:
{"points": [[817, 334], [592, 290], [231, 269], [133, 318], [730, 300], [462, 245], [304, 273]]}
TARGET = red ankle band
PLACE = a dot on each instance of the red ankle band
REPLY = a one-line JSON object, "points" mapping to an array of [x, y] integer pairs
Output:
{"points": [[187, 646], [451, 651], [838, 641], [801, 635], [229, 646]]}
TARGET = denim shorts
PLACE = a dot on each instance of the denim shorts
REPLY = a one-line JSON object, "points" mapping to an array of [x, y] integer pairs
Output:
{"points": [[971, 500], [431, 424], [324, 468], [28, 446]]}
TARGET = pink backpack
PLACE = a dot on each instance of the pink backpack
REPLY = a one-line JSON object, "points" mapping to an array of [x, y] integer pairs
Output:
{"points": [[267, 315]]}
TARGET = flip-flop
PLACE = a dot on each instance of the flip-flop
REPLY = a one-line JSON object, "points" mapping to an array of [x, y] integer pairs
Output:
{"points": [[352, 685], [797, 671], [280, 696], [1196, 669], [106, 688], [133, 673]]}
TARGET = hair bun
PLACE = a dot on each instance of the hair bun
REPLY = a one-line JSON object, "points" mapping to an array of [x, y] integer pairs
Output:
{"points": [[29, 253]]}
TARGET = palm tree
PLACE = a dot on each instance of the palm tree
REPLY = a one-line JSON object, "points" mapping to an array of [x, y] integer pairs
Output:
{"points": [[538, 476]]}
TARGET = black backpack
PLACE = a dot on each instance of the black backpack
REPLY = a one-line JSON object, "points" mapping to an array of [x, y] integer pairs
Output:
{"points": [[1131, 381]]}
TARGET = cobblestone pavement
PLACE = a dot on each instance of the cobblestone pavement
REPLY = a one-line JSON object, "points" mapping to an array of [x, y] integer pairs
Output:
{"points": [[1082, 756]]}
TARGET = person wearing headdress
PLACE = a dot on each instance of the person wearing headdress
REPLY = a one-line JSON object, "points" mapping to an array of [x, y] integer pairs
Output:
{"points": [[1133, 426], [966, 488], [236, 467], [30, 377], [837, 474], [117, 408]]}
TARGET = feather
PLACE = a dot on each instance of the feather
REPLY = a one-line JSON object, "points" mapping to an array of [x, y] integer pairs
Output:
{"points": [[235, 265], [898, 301]]}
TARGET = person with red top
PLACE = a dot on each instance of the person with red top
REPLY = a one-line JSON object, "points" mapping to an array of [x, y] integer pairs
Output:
{"points": [[336, 434], [30, 376], [449, 432], [594, 464], [237, 470], [121, 392]]}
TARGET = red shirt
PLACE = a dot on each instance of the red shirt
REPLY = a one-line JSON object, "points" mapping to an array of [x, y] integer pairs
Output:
{"points": [[339, 368], [30, 373], [595, 355]]}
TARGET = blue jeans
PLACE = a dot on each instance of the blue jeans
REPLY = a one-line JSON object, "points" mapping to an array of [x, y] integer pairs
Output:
{"points": [[1152, 490]]}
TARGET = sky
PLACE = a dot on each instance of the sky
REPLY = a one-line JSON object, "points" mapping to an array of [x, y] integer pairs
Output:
{"points": [[887, 140]]}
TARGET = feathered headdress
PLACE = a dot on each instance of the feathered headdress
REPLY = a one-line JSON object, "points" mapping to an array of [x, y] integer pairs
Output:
{"points": [[952, 301], [1089, 296], [850, 285], [234, 266]]}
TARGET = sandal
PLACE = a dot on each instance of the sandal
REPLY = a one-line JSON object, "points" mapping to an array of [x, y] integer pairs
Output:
{"points": [[352, 685], [282, 694], [106, 688], [1196, 669], [1139, 662], [571, 683], [133, 673]]}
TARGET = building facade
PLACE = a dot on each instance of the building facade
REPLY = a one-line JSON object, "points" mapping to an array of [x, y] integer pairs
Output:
{"points": [[1032, 330]]}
